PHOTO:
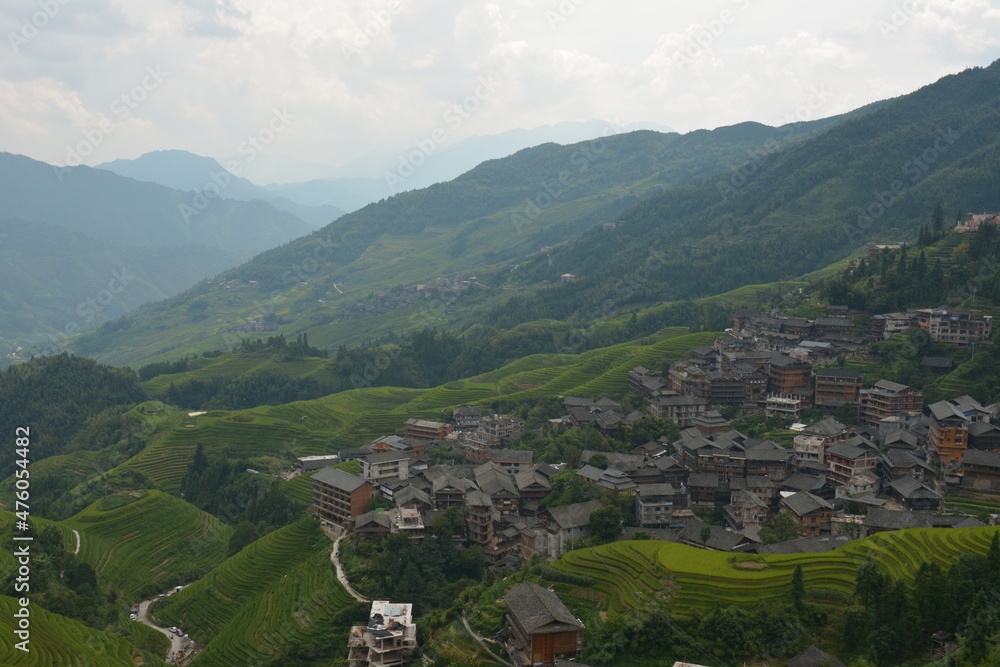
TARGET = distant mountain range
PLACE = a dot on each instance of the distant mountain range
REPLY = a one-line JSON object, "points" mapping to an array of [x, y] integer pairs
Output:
{"points": [[482, 223], [188, 172], [64, 231], [377, 175]]}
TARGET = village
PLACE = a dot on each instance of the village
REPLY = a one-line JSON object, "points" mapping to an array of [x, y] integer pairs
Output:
{"points": [[889, 469]]}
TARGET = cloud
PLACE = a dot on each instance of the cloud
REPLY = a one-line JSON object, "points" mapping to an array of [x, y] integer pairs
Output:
{"points": [[231, 62]]}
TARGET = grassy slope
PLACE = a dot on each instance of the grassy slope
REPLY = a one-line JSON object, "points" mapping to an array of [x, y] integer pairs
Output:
{"points": [[277, 592], [57, 640], [354, 417], [143, 542], [627, 573]]}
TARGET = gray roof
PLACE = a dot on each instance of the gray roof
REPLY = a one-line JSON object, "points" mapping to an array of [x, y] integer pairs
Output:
{"points": [[380, 519], [838, 373], [339, 479], [899, 519], [514, 456], [909, 488], [980, 457], [576, 515], [827, 427], [803, 482], [806, 545], [846, 451], [411, 494], [478, 499], [387, 457], [529, 478], [813, 657], [539, 610], [803, 503], [655, 490]]}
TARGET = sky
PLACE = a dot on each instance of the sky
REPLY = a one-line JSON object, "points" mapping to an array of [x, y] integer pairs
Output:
{"points": [[88, 81]]}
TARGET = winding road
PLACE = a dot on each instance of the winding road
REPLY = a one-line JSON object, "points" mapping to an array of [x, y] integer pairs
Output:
{"points": [[335, 559], [177, 643]]}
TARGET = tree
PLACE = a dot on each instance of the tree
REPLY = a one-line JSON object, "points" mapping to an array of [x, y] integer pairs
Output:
{"points": [[798, 587], [450, 522], [606, 524], [781, 529], [598, 461], [937, 218]]}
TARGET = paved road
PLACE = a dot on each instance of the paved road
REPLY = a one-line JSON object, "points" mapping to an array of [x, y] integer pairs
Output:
{"points": [[177, 643], [335, 559]]}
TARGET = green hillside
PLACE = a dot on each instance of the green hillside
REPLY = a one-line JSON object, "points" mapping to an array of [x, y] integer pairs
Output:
{"points": [[470, 226], [142, 542], [280, 592], [627, 574], [57, 640], [352, 418]]}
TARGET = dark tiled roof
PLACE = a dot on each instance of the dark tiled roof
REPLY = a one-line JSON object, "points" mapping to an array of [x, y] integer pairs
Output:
{"points": [[339, 479], [576, 515], [803, 503], [539, 610], [813, 657], [805, 545]]}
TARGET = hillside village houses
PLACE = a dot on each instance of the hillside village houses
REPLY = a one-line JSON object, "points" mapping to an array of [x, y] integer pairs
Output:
{"points": [[896, 459]]}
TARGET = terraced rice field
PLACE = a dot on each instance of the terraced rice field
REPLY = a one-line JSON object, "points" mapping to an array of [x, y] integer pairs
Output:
{"points": [[145, 544], [627, 573], [7, 530], [58, 640], [351, 418], [279, 591]]}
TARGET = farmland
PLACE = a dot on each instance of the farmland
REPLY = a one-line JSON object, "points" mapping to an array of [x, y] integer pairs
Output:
{"points": [[141, 542], [278, 592], [627, 574]]}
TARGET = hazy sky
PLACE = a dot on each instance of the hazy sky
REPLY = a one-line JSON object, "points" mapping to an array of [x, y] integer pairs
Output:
{"points": [[303, 77]]}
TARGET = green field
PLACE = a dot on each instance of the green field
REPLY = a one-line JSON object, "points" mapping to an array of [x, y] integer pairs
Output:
{"points": [[275, 593], [627, 574], [142, 542], [57, 640], [352, 418]]}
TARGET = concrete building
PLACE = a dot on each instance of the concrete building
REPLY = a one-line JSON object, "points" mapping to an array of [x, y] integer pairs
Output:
{"points": [[954, 326], [339, 496], [387, 640], [949, 431]]}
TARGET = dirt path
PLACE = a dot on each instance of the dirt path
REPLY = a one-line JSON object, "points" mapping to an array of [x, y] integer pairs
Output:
{"points": [[77, 550], [482, 641], [335, 559]]}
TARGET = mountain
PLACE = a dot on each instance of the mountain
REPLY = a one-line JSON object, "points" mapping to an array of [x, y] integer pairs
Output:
{"points": [[58, 283], [127, 212], [376, 175], [875, 177], [188, 172], [80, 246], [501, 212]]}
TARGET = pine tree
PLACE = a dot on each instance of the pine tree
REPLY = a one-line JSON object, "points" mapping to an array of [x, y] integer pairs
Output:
{"points": [[937, 218], [798, 587]]}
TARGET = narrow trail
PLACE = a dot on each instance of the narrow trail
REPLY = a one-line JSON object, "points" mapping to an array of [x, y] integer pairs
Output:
{"points": [[482, 641], [77, 550], [335, 559]]}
